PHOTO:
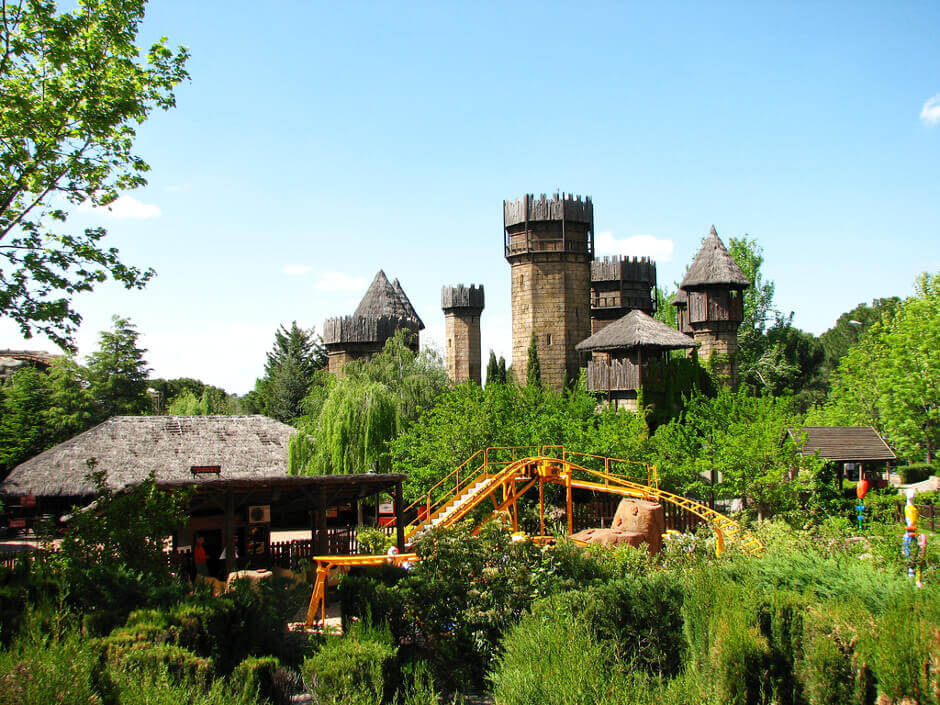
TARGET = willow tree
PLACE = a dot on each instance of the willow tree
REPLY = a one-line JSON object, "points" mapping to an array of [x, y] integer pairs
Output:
{"points": [[350, 421]]}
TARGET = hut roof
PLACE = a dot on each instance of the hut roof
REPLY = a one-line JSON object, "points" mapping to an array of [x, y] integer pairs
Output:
{"points": [[636, 329], [844, 443], [129, 448], [714, 265], [385, 299]]}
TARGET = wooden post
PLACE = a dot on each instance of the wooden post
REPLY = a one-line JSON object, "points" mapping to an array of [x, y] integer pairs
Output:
{"points": [[568, 499], [323, 546], [229, 532], [541, 505], [399, 520]]}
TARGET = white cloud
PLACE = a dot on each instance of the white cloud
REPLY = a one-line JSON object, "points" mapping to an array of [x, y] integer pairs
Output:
{"points": [[124, 207], [930, 115], [337, 281], [636, 246], [295, 270]]}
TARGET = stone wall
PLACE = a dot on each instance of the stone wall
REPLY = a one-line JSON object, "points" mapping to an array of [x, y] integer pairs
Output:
{"points": [[463, 345], [550, 297], [719, 350]]}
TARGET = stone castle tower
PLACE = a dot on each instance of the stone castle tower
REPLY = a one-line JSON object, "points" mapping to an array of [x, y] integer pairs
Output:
{"points": [[709, 306], [462, 308], [384, 309], [620, 285], [549, 244]]}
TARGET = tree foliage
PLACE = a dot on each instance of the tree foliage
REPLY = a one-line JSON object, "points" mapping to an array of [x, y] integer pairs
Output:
{"points": [[533, 366], [891, 378], [349, 422], [72, 87], [291, 363], [731, 445], [468, 418], [118, 374]]}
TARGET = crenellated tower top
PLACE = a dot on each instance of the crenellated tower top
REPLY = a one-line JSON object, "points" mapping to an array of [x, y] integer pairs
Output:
{"points": [[462, 297], [562, 223]]}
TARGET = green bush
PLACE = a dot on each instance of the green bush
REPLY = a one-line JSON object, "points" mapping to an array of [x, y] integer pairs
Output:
{"points": [[153, 660], [356, 669], [552, 658], [265, 677], [830, 669], [915, 472], [373, 541]]}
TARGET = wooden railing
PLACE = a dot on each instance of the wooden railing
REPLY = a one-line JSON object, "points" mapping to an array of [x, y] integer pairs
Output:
{"points": [[613, 376]]}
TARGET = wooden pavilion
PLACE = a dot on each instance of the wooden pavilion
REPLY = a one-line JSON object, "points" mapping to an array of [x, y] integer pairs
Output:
{"points": [[237, 466], [628, 354], [850, 448]]}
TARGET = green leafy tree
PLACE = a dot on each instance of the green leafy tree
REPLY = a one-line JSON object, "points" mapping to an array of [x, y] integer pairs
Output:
{"points": [[118, 372], [665, 312], [466, 419], [73, 87], [351, 421], [891, 378], [214, 399], [533, 366], [732, 445], [758, 303], [851, 326]]}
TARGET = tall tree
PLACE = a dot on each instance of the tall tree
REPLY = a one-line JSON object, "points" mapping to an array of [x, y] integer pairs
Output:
{"points": [[891, 378], [351, 420], [758, 303], [118, 372], [293, 360], [851, 326], [533, 366], [73, 87], [492, 369], [23, 431], [665, 311]]}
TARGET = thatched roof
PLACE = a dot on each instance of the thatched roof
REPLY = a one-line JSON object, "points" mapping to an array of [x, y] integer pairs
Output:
{"points": [[714, 265], [636, 329], [384, 299], [844, 444], [129, 448]]}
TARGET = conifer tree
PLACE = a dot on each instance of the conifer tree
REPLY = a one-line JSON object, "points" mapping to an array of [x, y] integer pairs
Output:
{"points": [[118, 373], [492, 369], [533, 368], [503, 374]]}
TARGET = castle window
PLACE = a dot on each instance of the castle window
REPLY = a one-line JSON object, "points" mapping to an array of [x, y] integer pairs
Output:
{"points": [[548, 339]]}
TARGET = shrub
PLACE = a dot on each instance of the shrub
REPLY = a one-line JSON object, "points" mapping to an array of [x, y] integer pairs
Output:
{"points": [[551, 658], [356, 669], [373, 541], [154, 660], [265, 677], [829, 668], [915, 472]]}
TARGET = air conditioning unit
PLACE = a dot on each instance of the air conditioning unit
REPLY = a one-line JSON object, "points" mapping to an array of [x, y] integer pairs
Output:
{"points": [[259, 514]]}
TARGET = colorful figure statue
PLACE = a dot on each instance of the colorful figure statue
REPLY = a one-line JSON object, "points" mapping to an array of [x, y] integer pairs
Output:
{"points": [[861, 489]]}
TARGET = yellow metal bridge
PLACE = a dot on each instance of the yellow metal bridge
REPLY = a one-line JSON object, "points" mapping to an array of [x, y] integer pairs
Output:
{"points": [[501, 475]]}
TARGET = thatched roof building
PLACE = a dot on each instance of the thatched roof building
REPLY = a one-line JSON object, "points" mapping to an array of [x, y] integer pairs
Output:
{"points": [[386, 299], [129, 448], [383, 310], [714, 265], [636, 329]]}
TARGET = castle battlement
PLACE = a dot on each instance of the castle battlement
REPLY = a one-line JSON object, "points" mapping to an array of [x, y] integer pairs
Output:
{"points": [[461, 296], [617, 268], [561, 206], [363, 329]]}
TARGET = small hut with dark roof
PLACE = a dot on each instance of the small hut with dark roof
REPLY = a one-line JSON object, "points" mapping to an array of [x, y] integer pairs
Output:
{"points": [[236, 464], [383, 310], [622, 355], [856, 449], [709, 305]]}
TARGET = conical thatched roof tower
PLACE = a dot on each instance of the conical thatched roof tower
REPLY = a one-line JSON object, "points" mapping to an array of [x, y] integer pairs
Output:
{"points": [[383, 310], [709, 305]]}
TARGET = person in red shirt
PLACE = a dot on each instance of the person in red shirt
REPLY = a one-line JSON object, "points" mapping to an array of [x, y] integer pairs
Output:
{"points": [[199, 557]]}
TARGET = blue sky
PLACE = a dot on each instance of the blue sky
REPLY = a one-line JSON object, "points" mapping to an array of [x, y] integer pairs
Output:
{"points": [[319, 142]]}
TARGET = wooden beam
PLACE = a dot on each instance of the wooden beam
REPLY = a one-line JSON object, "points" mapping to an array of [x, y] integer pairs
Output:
{"points": [[399, 519], [322, 531], [229, 532]]}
